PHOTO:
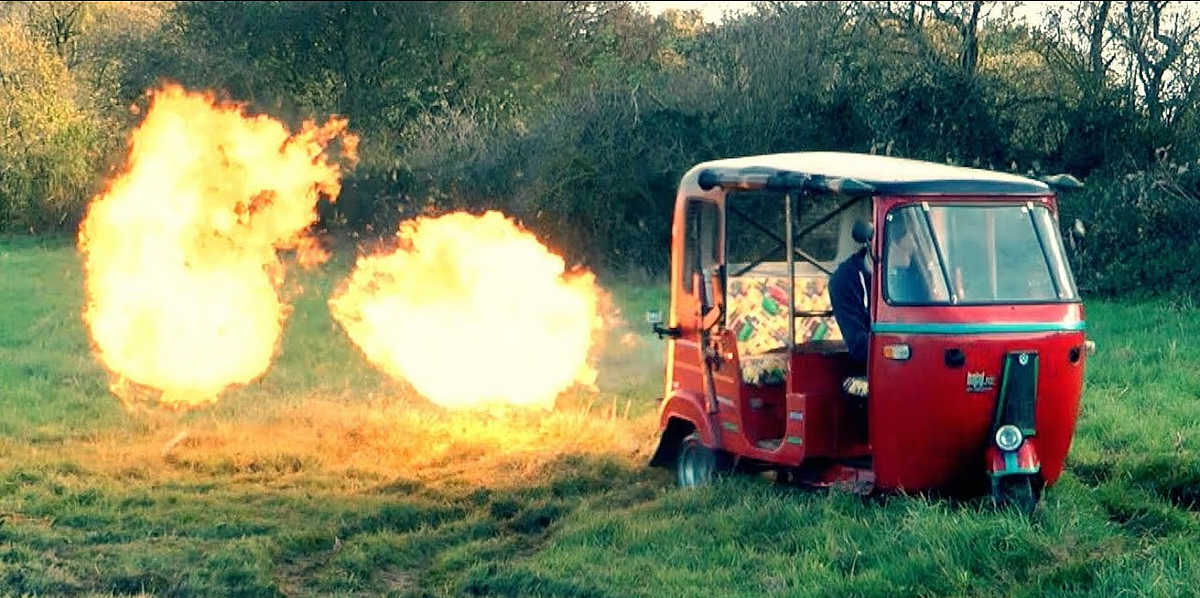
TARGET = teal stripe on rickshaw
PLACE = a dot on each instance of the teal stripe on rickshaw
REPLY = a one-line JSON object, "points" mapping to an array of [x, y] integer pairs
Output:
{"points": [[974, 327], [1010, 461]]}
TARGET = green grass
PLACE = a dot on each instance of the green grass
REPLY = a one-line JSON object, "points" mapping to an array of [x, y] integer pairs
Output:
{"points": [[325, 478]]}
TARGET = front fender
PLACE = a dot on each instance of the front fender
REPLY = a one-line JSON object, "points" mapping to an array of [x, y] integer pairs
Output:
{"points": [[1024, 460], [690, 408], [682, 413]]}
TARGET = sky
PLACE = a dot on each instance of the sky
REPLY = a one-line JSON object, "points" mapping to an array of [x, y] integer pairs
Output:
{"points": [[712, 11]]}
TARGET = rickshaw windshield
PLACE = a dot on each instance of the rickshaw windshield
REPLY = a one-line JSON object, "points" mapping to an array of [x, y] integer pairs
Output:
{"points": [[975, 254]]}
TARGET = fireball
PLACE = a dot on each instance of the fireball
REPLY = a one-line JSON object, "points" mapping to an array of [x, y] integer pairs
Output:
{"points": [[474, 312], [181, 251]]}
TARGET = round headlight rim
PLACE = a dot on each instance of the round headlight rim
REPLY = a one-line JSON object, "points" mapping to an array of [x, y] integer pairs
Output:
{"points": [[1009, 431]]}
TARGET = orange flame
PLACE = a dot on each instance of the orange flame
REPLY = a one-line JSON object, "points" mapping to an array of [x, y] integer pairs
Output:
{"points": [[473, 312], [180, 252]]}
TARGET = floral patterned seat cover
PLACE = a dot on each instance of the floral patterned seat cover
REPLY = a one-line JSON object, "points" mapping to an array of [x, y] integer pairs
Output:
{"points": [[757, 314]]}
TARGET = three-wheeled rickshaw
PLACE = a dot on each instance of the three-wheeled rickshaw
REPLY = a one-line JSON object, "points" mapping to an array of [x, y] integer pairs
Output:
{"points": [[975, 362]]}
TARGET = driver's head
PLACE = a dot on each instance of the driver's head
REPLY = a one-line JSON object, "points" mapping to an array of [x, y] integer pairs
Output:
{"points": [[901, 241], [863, 233]]}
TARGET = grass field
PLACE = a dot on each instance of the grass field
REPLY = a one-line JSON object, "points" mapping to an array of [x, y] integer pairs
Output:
{"points": [[325, 478]]}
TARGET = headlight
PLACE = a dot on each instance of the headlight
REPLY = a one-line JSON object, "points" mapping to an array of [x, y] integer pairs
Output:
{"points": [[1009, 437]]}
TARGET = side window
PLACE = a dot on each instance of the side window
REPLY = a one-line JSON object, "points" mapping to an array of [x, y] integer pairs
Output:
{"points": [[821, 241], [701, 242], [755, 229]]}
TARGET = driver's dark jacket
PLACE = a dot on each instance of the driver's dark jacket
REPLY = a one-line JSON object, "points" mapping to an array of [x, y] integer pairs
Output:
{"points": [[848, 290]]}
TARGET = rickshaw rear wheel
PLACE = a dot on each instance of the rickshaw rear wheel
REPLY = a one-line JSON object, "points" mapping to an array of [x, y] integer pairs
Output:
{"points": [[1021, 492], [696, 465]]}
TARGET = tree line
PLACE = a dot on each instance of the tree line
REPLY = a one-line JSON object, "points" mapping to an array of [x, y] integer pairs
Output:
{"points": [[579, 117]]}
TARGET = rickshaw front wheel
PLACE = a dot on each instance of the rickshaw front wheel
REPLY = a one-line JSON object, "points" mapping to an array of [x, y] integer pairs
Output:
{"points": [[1021, 492], [696, 465]]}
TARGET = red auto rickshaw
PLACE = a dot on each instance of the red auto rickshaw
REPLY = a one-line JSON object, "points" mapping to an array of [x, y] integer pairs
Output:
{"points": [[973, 384]]}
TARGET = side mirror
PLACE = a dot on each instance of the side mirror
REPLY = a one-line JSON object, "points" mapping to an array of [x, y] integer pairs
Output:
{"points": [[1064, 182], [654, 317], [862, 232], [1074, 235]]}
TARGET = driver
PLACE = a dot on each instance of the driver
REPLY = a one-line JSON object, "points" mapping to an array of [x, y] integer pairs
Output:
{"points": [[849, 290], [906, 276]]}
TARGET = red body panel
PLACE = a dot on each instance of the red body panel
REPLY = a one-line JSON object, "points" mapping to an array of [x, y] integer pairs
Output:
{"points": [[929, 431], [1044, 313], [685, 396]]}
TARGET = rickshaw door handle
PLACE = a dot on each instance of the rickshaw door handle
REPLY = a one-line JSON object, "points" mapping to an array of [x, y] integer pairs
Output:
{"points": [[955, 358]]}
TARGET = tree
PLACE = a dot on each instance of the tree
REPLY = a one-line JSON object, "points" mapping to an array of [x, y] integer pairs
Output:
{"points": [[49, 150], [957, 36], [57, 24], [1163, 44], [1082, 51]]}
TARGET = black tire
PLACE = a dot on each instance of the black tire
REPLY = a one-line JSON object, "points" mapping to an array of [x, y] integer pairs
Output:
{"points": [[696, 465], [1021, 492]]}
